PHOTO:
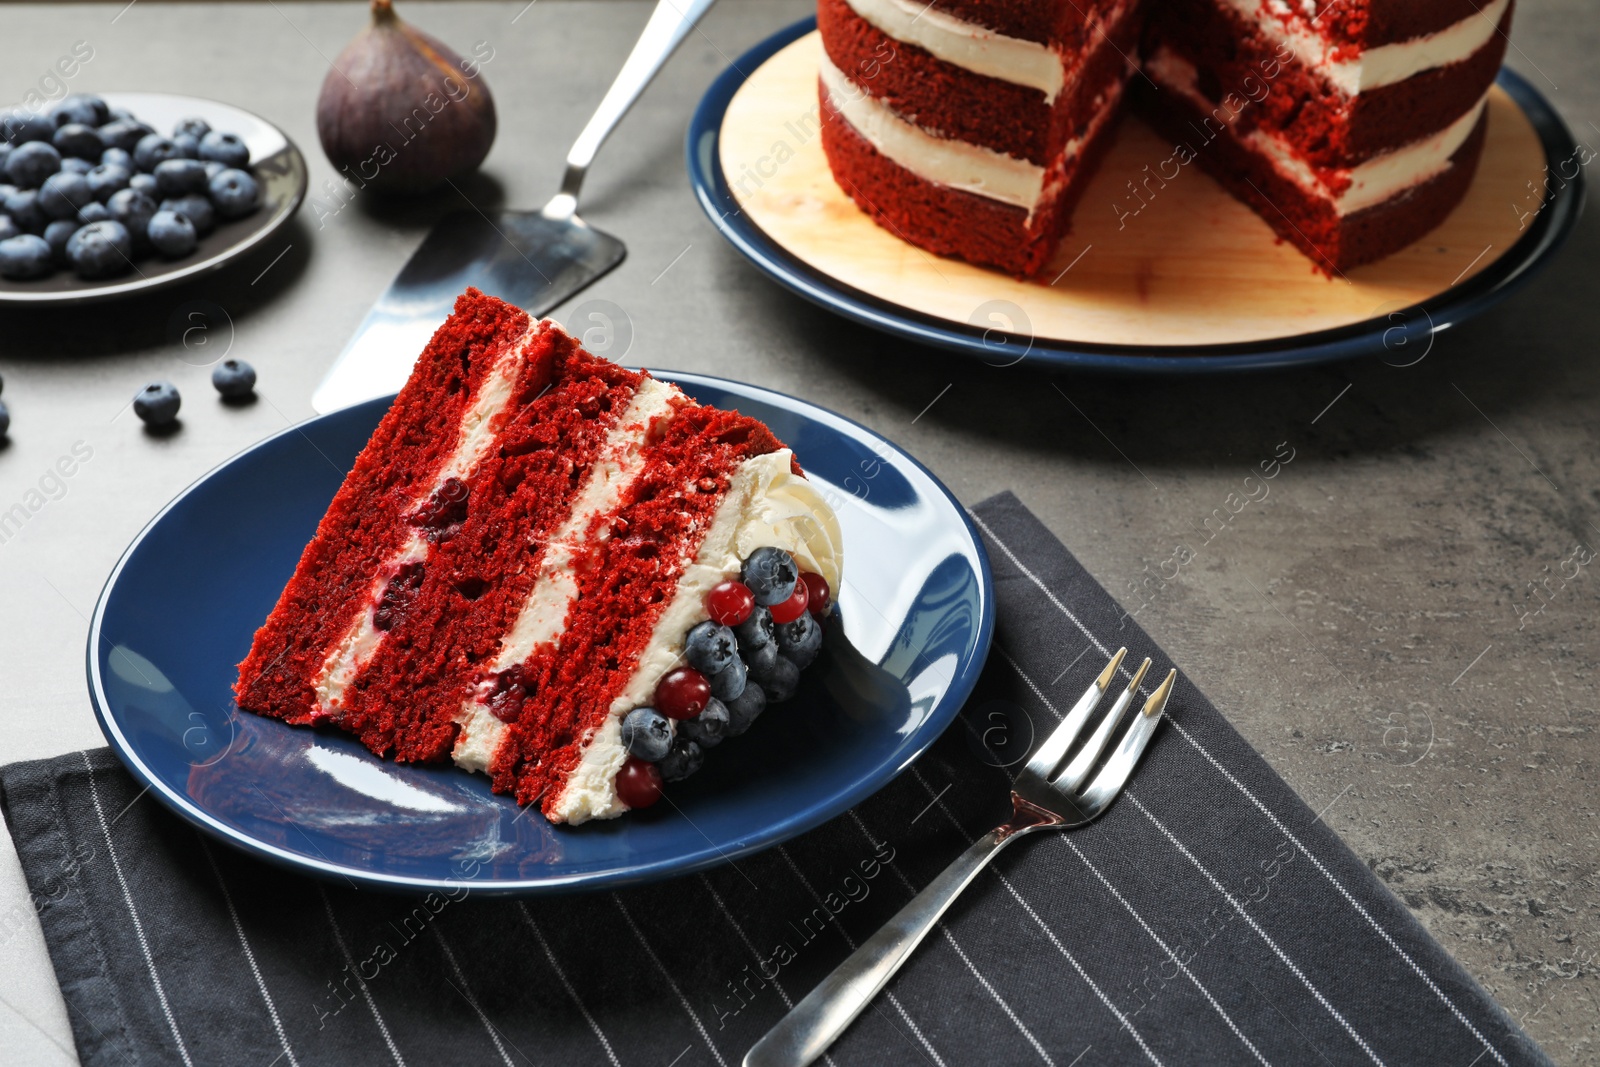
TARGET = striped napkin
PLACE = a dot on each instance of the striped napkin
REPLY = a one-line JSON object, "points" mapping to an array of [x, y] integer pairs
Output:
{"points": [[1209, 917]]}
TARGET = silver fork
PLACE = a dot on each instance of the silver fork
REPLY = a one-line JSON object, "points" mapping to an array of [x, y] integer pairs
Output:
{"points": [[1041, 799]]}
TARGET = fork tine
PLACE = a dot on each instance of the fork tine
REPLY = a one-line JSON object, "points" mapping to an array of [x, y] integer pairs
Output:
{"points": [[1111, 780], [1078, 770], [1055, 746]]}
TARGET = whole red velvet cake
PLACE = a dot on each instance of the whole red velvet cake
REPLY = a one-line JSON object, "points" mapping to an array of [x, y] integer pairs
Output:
{"points": [[969, 127], [553, 570]]}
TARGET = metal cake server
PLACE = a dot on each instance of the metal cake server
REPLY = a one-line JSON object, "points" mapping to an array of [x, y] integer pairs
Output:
{"points": [[534, 259]]}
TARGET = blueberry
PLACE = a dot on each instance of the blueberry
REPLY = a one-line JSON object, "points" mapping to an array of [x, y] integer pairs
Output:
{"points": [[800, 640], [119, 157], [684, 759], [770, 573], [21, 126], [56, 236], [93, 211], [707, 728], [188, 146], [224, 148], [171, 233], [30, 165], [8, 229], [214, 168], [710, 647], [197, 208], [157, 403], [756, 631], [646, 733], [74, 165], [23, 207], [80, 108], [6, 189], [178, 177], [235, 378], [63, 193], [124, 134], [744, 708], [144, 183], [133, 209], [108, 178], [75, 139], [191, 127], [25, 256], [152, 149], [5, 419], [6, 148], [235, 193], [760, 660], [729, 682], [101, 250], [781, 681]]}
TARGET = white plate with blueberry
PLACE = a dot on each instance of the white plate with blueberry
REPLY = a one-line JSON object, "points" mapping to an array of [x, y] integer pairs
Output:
{"points": [[102, 196]]}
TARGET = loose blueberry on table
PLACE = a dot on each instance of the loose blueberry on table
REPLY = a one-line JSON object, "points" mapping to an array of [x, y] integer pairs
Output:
{"points": [[157, 403], [91, 188], [763, 628], [234, 378]]}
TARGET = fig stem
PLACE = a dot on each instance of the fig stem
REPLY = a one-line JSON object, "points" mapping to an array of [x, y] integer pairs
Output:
{"points": [[383, 11]]}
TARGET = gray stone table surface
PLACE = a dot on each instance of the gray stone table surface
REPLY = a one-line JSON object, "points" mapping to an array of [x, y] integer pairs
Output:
{"points": [[1361, 625]]}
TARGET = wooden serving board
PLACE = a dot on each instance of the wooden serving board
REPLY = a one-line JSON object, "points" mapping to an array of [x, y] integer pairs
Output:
{"points": [[1194, 266]]}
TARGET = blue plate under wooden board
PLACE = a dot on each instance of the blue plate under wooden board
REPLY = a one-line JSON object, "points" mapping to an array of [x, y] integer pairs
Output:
{"points": [[1234, 297], [179, 611]]}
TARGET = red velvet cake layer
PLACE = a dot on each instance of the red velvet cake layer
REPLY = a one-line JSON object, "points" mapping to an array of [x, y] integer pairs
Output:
{"points": [[1309, 222], [1265, 85], [475, 584], [949, 221], [959, 104], [623, 589], [365, 525], [1044, 21], [1370, 23]]}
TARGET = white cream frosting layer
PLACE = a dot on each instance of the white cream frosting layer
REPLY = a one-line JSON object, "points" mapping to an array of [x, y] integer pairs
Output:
{"points": [[544, 614], [1374, 182], [1372, 68], [966, 44], [766, 505], [958, 164], [350, 655]]}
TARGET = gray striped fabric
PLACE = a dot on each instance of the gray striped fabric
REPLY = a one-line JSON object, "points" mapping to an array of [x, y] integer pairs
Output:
{"points": [[1209, 917]]}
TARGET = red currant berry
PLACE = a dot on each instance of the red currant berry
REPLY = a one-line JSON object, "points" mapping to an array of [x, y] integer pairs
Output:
{"points": [[821, 595], [730, 603], [795, 606], [683, 694], [638, 783]]}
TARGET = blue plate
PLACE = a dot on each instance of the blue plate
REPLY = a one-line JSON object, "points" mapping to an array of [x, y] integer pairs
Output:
{"points": [[916, 616], [1563, 201]]}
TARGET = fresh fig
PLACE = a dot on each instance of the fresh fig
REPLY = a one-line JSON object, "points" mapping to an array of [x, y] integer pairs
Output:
{"points": [[400, 112]]}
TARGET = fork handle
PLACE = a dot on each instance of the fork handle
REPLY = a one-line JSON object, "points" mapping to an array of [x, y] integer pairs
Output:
{"points": [[817, 1021]]}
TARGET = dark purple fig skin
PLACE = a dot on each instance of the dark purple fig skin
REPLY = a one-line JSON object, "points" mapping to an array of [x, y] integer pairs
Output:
{"points": [[402, 113]]}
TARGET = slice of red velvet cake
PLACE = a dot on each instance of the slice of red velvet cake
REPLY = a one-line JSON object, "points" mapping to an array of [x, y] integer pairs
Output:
{"points": [[554, 570], [1353, 127], [969, 127]]}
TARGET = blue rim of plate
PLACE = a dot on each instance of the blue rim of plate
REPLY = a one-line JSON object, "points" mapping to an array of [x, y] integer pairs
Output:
{"points": [[1545, 235], [812, 815]]}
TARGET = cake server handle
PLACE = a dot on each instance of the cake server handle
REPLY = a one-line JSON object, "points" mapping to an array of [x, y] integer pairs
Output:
{"points": [[669, 24]]}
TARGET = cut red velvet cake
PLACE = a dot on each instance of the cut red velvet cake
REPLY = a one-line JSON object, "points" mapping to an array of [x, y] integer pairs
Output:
{"points": [[1352, 127], [969, 127], [551, 569]]}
